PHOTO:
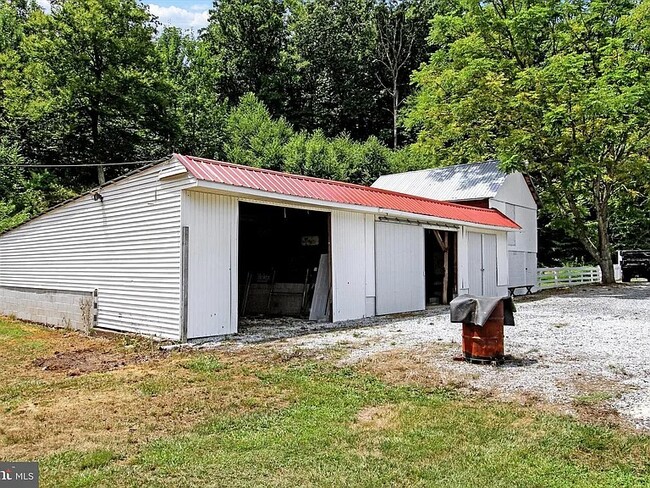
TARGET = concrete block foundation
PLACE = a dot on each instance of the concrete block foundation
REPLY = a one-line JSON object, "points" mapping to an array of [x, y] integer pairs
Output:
{"points": [[58, 308]]}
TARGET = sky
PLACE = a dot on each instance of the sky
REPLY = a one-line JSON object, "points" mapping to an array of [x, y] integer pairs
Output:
{"points": [[186, 14]]}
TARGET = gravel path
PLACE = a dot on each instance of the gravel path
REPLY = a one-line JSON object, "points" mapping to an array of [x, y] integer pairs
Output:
{"points": [[589, 344]]}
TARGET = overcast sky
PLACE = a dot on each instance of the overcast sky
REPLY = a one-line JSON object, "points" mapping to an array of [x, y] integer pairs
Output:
{"points": [[186, 14]]}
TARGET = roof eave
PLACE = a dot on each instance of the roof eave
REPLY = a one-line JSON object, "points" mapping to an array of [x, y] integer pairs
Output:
{"points": [[273, 197]]}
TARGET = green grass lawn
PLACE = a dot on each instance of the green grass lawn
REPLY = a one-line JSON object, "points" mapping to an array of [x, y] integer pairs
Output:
{"points": [[257, 419]]}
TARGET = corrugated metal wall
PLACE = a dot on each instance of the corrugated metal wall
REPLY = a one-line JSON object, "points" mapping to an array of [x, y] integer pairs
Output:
{"points": [[348, 265], [212, 269], [515, 200], [127, 247], [400, 279]]}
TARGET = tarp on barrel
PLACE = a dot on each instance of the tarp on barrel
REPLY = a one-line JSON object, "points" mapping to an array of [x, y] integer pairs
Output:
{"points": [[470, 309]]}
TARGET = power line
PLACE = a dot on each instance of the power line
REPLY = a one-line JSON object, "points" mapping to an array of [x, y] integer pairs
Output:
{"points": [[83, 165]]}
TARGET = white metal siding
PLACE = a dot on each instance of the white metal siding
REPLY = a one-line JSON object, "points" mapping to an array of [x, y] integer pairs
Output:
{"points": [[502, 267], [515, 190], [512, 236], [348, 265], [399, 250], [127, 247], [482, 264], [527, 219], [461, 256], [519, 243], [212, 273]]}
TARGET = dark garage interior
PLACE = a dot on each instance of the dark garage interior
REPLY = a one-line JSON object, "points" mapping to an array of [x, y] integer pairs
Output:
{"points": [[283, 262], [439, 250]]}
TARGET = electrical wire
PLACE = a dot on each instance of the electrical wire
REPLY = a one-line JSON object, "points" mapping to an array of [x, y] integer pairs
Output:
{"points": [[83, 165]]}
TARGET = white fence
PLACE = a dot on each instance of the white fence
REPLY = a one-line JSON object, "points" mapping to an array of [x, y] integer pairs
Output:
{"points": [[579, 275]]}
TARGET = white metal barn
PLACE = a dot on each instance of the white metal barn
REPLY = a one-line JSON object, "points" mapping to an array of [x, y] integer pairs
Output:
{"points": [[182, 249], [483, 185]]}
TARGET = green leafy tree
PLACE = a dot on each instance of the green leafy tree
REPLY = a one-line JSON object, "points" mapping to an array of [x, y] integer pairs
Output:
{"points": [[198, 109], [373, 162], [558, 88], [247, 39], [13, 20], [253, 137], [92, 87], [334, 44], [314, 155], [22, 194]]}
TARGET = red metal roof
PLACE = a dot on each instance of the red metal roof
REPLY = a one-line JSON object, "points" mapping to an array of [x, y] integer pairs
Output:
{"points": [[337, 192]]}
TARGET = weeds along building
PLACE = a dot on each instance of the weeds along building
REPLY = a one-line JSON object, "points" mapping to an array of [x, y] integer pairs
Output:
{"points": [[185, 248]]}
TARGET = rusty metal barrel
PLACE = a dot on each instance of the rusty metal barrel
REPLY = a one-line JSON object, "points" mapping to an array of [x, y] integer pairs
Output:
{"points": [[485, 343]]}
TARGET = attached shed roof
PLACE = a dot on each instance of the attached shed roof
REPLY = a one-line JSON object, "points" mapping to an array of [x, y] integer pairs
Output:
{"points": [[337, 192], [461, 182]]}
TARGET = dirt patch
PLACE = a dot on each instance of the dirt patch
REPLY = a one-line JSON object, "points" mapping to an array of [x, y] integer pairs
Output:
{"points": [[377, 417], [131, 404], [84, 361], [415, 367]]}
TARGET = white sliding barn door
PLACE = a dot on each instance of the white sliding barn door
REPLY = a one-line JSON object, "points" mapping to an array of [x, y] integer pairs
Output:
{"points": [[490, 265], [348, 265], [399, 273], [212, 264]]}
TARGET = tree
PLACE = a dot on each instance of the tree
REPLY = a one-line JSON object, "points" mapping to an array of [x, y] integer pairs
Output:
{"points": [[198, 109], [313, 155], [373, 162], [560, 89], [247, 39], [92, 85], [253, 138], [24, 195], [13, 19], [333, 43], [402, 29]]}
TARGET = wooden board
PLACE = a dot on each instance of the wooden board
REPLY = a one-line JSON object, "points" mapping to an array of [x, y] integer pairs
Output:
{"points": [[320, 300]]}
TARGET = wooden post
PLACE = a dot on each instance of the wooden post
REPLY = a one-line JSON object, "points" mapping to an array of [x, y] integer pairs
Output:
{"points": [[444, 245], [185, 258], [445, 279]]}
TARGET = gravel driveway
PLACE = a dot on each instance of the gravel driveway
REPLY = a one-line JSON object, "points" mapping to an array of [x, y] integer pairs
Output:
{"points": [[583, 346]]}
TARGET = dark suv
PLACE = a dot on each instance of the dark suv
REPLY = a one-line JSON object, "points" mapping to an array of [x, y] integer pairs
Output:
{"points": [[634, 264]]}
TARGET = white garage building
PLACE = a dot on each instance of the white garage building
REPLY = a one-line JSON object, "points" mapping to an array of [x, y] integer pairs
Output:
{"points": [[483, 185], [182, 249]]}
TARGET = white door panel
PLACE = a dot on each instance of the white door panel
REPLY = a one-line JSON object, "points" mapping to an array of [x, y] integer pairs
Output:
{"points": [[482, 264], [399, 267]]}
